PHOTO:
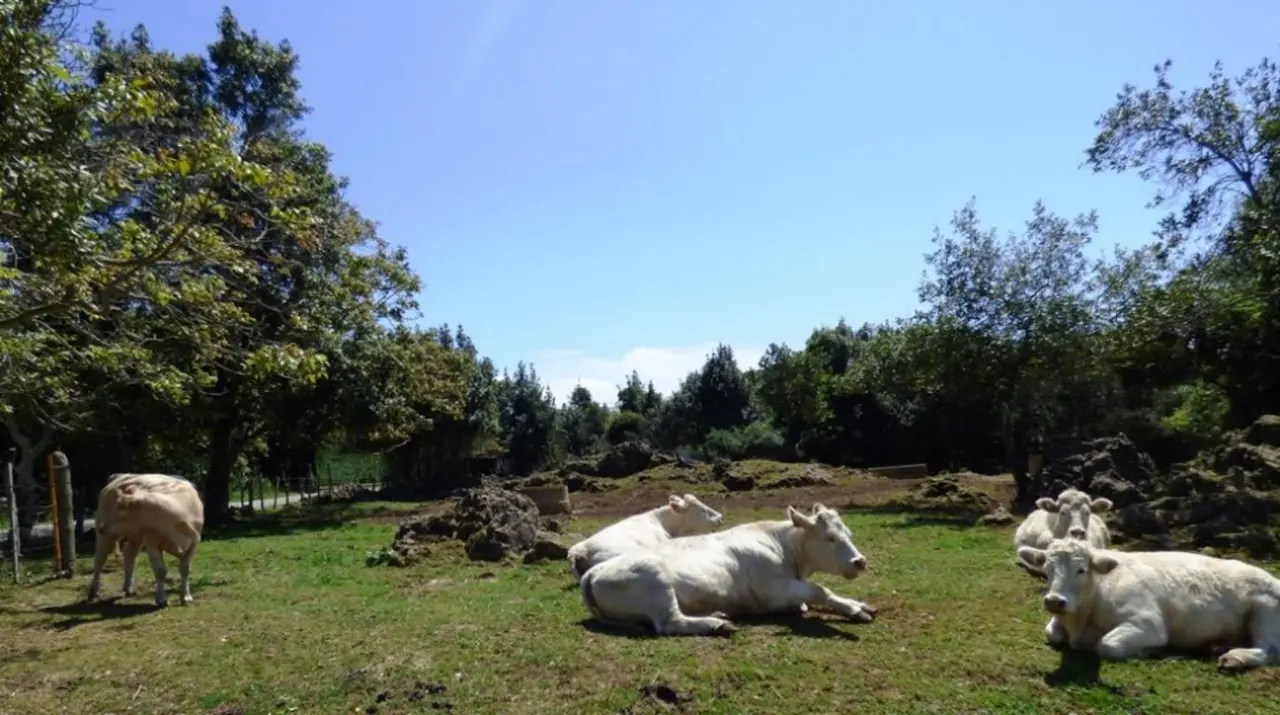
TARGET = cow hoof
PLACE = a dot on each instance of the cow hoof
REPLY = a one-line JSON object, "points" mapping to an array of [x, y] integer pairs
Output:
{"points": [[187, 600], [869, 609], [724, 628], [720, 614], [1231, 663], [864, 616]]}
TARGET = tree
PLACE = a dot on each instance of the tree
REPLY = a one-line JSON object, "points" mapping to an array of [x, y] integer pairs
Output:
{"points": [[582, 422], [1013, 319], [1207, 315], [92, 287], [720, 393], [528, 419]]}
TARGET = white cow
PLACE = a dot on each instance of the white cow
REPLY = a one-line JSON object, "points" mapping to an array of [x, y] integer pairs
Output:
{"points": [[680, 516], [1123, 604], [1072, 515], [693, 585], [155, 512]]}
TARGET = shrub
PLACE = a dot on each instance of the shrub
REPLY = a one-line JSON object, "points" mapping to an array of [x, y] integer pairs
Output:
{"points": [[625, 426], [757, 440]]}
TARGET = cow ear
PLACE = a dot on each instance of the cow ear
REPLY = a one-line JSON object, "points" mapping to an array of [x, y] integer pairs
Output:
{"points": [[818, 508], [677, 502], [1047, 504], [1031, 555], [1103, 564], [799, 519], [1101, 504]]}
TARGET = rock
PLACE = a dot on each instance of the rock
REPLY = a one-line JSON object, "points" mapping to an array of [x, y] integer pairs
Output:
{"points": [[736, 483], [720, 468], [578, 466], [625, 459], [552, 524], [1120, 492], [495, 523], [1142, 519], [549, 547], [1265, 431], [999, 517], [1256, 466], [1125, 473], [580, 483]]}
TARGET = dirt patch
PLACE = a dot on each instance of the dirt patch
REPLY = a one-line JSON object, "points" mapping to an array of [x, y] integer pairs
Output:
{"points": [[494, 523], [947, 494]]}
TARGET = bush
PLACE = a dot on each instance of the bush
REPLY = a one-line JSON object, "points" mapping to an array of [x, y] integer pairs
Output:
{"points": [[625, 426], [1201, 411], [754, 441]]}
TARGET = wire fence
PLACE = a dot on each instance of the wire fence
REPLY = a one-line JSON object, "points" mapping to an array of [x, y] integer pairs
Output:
{"points": [[47, 540]]}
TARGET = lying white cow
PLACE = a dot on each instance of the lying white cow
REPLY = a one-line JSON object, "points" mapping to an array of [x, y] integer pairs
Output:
{"points": [[693, 585], [680, 516], [155, 512], [1122, 604], [1072, 515]]}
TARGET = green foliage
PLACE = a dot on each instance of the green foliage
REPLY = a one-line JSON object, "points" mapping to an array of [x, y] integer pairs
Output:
{"points": [[626, 426], [757, 440], [582, 423], [1201, 411]]}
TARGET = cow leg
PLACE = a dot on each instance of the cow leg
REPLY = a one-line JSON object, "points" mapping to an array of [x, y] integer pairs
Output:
{"points": [[130, 558], [800, 592], [1055, 634], [1264, 627], [156, 556], [673, 621], [1132, 639], [184, 571], [103, 546]]}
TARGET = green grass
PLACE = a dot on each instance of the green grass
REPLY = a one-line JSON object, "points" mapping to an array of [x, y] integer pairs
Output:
{"points": [[288, 619]]}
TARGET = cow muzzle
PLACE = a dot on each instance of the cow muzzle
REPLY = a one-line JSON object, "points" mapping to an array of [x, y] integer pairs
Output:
{"points": [[855, 567], [1055, 604], [1076, 532]]}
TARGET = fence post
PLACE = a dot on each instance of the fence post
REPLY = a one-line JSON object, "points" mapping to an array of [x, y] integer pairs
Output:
{"points": [[66, 521], [15, 542], [54, 512]]}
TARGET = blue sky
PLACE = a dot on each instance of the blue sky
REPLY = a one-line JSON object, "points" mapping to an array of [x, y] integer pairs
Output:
{"points": [[602, 186]]}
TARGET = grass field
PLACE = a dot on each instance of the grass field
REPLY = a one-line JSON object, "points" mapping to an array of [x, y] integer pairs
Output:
{"points": [[289, 619]]}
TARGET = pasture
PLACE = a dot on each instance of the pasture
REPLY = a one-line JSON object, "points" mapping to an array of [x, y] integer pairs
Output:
{"points": [[289, 619]]}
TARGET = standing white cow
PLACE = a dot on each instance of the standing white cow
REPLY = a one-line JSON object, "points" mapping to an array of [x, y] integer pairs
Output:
{"points": [[694, 585], [155, 512], [1124, 604], [1072, 515], [680, 516]]}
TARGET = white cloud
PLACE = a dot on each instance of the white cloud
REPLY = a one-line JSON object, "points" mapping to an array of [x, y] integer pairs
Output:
{"points": [[562, 370]]}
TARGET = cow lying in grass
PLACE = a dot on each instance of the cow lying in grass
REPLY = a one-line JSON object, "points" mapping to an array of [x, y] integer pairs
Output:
{"points": [[680, 516], [694, 585], [153, 512], [1125, 604], [1072, 515]]}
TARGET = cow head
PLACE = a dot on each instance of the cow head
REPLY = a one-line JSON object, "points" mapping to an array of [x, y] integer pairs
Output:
{"points": [[826, 544], [690, 516], [1070, 565], [1073, 508]]}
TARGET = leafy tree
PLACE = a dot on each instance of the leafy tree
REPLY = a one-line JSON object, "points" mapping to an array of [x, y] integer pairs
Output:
{"points": [[528, 419], [720, 393], [583, 422], [1018, 315]]}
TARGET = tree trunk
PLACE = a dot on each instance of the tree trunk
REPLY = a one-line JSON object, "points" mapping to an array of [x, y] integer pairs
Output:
{"points": [[1009, 437], [24, 483], [223, 451]]}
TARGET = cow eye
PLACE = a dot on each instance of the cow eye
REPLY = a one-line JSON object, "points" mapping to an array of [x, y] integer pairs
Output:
{"points": [[1080, 571], [832, 539]]}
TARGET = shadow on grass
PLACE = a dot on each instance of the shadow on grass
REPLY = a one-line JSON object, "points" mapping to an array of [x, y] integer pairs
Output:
{"points": [[792, 625], [914, 516], [82, 612], [302, 518]]}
